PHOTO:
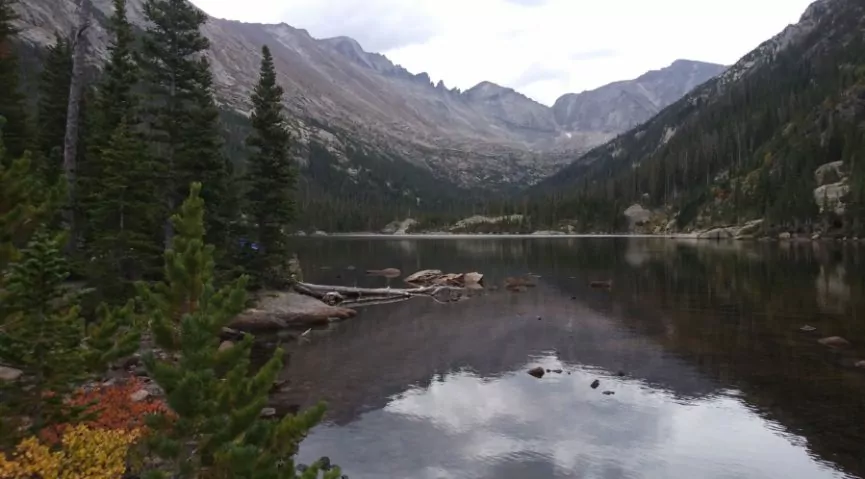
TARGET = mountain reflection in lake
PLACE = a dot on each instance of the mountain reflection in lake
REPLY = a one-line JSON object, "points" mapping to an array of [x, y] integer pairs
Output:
{"points": [[719, 382]]}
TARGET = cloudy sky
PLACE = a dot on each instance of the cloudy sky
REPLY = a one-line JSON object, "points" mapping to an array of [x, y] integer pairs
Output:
{"points": [[543, 48]]}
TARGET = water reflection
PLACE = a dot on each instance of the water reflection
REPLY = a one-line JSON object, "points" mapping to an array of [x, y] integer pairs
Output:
{"points": [[719, 381]]}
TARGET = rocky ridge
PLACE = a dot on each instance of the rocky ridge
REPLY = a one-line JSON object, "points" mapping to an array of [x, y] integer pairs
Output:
{"points": [[338, 94]]}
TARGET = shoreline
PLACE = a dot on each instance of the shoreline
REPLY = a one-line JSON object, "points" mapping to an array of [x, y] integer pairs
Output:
{"points": [[672, 236]]}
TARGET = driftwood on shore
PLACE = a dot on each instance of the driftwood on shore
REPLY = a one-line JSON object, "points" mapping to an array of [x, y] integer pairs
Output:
{"points": [[356, 296]]}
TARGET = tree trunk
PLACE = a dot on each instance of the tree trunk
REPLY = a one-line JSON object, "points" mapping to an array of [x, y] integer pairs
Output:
{"points": [[70, 141]]}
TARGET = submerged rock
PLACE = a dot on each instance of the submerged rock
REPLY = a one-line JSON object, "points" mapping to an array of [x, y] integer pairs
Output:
{"points": [[834, 342], [601, 284], [537, 372], [387, 272]]}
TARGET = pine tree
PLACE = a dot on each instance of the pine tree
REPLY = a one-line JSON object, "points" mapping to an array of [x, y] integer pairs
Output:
{"points": [[120, 199], [12, 103], [45, 337], [122, 220], [182, 114], [41, 333], [53, 103], [271, 178], [216, 430]]}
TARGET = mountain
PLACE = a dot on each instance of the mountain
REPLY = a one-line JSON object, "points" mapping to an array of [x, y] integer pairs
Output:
{"points": [[778, 136], [622, 105], [353, 104]]}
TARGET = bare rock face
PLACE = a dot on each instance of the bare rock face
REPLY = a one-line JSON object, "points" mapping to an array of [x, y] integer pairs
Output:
{"points": [[281, 310], [458, 136], [637, 216], [623, 105]]}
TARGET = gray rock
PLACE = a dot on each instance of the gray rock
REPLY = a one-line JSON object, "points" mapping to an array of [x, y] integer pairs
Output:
{"points": [[595, 384], [225, 346], [834, 342], [139, 395], [267, 412], [537, 372], [9, 374], [829, 173]]}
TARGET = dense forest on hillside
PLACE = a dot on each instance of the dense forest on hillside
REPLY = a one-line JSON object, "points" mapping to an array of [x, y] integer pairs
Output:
{"points": [[120, 181], [744, 148]]}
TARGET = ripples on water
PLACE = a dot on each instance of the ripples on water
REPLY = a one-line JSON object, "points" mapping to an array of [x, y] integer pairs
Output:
{"points": [[718, 380]]}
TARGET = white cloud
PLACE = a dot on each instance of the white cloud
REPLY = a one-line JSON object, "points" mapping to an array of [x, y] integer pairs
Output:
{"points": [[570, 45]]}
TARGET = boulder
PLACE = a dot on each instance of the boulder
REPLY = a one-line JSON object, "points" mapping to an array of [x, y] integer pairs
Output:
{"points": [[425, 276], [225, 346], [716, 233], [537, 372], [139, 395], [473, 278], [319, 233], [287, 309], [829, 173], [637, 215], [830, 197], [267, 412], [595, 384], [750, 228], [9, 374], [785, 236], [834, 342]]}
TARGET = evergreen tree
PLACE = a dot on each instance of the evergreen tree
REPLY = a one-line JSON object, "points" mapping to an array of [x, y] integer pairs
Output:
{"points": [[123, 223], [271, 178], [182, 114], [41, 333], [53, 104], [215, 430], [45, 337], [120, 199], [12, 103]]}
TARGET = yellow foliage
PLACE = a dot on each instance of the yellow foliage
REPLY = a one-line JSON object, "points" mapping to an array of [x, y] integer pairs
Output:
{"points": [[85, 453]]}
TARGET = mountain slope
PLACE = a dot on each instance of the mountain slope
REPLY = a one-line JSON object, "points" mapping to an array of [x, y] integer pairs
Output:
{"points": [[620, 106], [749, 143], [340, 93]]}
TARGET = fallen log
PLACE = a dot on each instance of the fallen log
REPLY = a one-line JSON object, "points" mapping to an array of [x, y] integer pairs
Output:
{"points": [[356, 296]]}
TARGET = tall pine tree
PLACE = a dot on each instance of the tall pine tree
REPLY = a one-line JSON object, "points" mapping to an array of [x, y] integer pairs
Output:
{"points": [[216, 430], [12, 103], [271, 179], [182, 115], [53, 103], [119, 188]]}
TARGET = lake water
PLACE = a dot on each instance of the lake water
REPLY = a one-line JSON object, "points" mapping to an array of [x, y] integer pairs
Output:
{"points": [[700, 343]]}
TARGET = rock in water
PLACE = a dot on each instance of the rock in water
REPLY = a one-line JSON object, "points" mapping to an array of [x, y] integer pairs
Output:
{"points": [[608, 393], [279, 310], [425, 276], [595, 384], [807, 329], [537, 372], [834, 342], [387, 272]]}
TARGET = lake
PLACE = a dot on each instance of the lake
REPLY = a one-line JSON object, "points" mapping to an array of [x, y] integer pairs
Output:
{"points": [[703, 369]]}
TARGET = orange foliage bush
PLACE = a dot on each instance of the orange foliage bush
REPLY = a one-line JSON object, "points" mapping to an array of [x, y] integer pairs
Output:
{"points": [[110, 407]]}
